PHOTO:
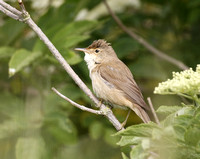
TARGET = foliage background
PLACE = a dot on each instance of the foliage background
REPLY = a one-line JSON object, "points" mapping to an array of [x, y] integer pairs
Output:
{"points": [[34, 122]]}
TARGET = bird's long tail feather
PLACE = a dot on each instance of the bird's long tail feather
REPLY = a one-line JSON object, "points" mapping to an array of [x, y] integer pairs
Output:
{"points": [[141, 113]]}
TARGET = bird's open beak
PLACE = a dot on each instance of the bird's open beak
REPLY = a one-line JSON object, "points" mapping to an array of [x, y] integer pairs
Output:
{"points": [[81, 49]]}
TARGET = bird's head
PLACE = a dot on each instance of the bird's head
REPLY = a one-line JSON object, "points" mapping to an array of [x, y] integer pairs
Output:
{"points": [[98, 52]]}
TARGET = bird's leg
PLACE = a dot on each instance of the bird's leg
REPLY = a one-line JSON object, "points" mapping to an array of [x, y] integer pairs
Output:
{"points": [[124, 123]]}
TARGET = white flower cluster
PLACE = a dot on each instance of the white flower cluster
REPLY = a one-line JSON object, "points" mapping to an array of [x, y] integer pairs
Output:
{"points": [[185, 82]]}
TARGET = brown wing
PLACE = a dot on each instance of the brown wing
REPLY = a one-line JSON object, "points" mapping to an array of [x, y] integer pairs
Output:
{"points": [[122, 79]]}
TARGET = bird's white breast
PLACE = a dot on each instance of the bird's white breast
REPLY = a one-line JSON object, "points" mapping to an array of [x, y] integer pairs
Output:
{"points": [[90, 60]]}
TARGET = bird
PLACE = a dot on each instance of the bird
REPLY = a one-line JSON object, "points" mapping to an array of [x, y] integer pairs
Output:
{"points": [[112, 81]]}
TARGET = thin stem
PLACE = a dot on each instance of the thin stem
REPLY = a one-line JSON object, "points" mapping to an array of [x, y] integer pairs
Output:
{"points": [[196, 99], [10, 8], [153, 111], [142, 41], [98, 112], [10, 14], [184, 95]]}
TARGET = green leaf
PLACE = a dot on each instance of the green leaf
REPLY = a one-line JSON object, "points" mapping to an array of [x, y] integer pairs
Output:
{"points": [[168, 120], [141, 130], [6, 51], [129, 140], [167, 110], [156, 134], [183, 120], [30, 148], [180, 131], [187, 110], [21, 59], [178, 118], [192, 135]]}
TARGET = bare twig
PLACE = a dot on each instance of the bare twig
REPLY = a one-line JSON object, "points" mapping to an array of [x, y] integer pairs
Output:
{"points": [[27, 19], [142, 41], [10, 8], [10, 14], [98, 112], [153, 111]]}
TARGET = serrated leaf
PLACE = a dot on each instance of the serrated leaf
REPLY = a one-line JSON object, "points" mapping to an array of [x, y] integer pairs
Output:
{"points": [[20, 59], [6, 51], [140, 130], [129, 140], [30, 148], [167, 110], [183, 120]]}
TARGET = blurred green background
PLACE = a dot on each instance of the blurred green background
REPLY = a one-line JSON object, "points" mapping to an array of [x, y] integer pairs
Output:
{"points": [[37, 124]]}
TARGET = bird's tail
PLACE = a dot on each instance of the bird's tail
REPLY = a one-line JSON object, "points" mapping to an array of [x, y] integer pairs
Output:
{"points": [[141, 113]]}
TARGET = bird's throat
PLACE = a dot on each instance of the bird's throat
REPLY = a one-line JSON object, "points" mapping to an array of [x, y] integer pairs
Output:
{"points": [[91, 61]]}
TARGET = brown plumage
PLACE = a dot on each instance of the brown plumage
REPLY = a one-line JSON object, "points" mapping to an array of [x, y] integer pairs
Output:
{"points": [[112, 80]]}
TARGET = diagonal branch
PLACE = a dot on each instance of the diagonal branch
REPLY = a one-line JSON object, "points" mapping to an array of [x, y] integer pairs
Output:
{"points": [[10, 8], [142, 41], [98, 112], [10, 14], [27, 19]]}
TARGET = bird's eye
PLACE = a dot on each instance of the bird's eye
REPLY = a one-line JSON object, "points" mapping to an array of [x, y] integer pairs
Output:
{"points": [[96, 50]]}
